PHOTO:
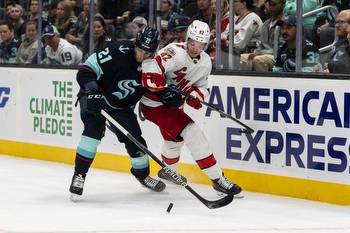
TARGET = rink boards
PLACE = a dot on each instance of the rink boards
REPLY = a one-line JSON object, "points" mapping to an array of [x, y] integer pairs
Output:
{"points": [[300, 147]]}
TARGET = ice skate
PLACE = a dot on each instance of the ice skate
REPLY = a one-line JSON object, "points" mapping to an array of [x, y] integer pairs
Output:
{"points": [[153, 184], [76, 187], [166, 176], [224, 186]]}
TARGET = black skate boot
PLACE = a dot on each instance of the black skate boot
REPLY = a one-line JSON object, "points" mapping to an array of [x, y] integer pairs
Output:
{"points": [[163, 174], [223, 185], [76, 187], [153, 184]]}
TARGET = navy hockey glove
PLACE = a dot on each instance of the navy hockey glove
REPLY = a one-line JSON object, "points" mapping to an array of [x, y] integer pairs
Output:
{"points": [[91, 103], [171, 98]]}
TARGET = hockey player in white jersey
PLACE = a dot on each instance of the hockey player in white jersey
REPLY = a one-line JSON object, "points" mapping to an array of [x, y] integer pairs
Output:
{"points": [[186, 66], [58, 50]]}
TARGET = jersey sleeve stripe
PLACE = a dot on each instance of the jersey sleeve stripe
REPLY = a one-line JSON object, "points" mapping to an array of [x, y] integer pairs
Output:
{"points": [[159, 62]]}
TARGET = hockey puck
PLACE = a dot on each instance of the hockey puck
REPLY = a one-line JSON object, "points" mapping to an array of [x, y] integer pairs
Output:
{"points": [[169, 207]]}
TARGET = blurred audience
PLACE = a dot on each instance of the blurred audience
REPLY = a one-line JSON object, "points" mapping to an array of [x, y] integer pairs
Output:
{"points": [[9, 44], [65, 18], [58, 50], [262, 59], [285, 61], [29, 47]]}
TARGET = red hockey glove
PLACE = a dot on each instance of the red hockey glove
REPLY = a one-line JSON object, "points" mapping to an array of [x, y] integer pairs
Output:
{"points": [[153, 81], [198, 97]]}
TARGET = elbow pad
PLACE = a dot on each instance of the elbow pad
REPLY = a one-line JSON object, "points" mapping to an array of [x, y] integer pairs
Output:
{"points": [[84, 76]]}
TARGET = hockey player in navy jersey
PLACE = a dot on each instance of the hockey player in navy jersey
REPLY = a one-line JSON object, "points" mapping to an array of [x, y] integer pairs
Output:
{"points": [[110, 79]]}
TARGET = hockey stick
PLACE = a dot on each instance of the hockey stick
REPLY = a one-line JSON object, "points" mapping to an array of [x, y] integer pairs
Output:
{"points": [[210, 204], [246, 129]]}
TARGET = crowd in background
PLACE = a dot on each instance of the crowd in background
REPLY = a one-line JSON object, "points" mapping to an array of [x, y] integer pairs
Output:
{"points": [[264, 36]]}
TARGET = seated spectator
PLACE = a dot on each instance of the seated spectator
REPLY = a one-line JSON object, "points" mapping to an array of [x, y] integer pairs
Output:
{"points": [[76, 32], [9, 45], [178, 25], [262, 59], [58, 50], [338, 61], [100, 36], [205, 13], [65, 18], [16, 17], [285, 61], [166, 9], [225, 20], [34, 13], [29, 47], [246, 27]]}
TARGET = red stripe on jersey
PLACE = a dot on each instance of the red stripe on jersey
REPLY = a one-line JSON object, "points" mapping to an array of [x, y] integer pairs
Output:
{"points": [[79, 156], [206, 162], [171, 161], [159, 62], [152, 96], [86, 68]]}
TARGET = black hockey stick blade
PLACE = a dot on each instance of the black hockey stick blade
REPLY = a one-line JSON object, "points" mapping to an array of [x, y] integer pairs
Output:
{"points": [[246, 128], [210, 204]]}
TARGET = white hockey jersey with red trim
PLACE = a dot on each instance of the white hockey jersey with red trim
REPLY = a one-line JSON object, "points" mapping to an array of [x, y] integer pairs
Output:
{"points": [[178, 68]]}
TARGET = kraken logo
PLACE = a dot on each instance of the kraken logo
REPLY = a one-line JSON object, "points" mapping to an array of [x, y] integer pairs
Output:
{"points": [[126, 88]]}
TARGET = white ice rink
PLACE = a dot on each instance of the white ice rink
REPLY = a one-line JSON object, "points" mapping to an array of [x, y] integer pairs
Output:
{"points": [[34, 198]]}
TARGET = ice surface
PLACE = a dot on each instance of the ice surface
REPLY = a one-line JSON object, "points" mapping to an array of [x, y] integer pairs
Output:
{"points": [[34, 198]]}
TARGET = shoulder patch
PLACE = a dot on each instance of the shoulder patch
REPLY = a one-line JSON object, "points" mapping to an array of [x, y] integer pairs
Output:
{"points": [[170, 51]]}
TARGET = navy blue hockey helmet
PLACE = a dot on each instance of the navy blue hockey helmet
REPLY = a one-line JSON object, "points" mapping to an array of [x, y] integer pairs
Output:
{"points": [[148, 39]]}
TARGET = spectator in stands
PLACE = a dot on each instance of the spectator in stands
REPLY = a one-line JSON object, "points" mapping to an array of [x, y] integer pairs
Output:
{"points": [[246, 27], [166, 35], [338, 61], [285, 61], [9, 45], [224, 7], [65, 18], [34, 13], [178, 25], [100, 36], [166, 9], [262, 59], [76, 32], [140, 22], [58, 50], [116, 13], [16, 17], [8, 8], [205, 13], [34, 10], [29, 47], [52, 12]]}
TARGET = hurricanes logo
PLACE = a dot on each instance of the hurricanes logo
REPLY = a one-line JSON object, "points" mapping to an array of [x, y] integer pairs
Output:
{"points": [[126, 88]]}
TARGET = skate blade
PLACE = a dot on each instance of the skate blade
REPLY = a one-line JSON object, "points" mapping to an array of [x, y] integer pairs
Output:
{"points": [[75, 197], [237, 196]]}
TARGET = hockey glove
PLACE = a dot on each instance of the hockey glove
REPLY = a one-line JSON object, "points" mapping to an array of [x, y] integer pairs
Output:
{"points": [[195, 102], [91, 103], [171, 98], [153, 81]]}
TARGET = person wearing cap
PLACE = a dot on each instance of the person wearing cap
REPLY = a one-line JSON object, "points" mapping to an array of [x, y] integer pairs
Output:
{"points": [[178, 25], [262, 59], [110, 79], [58, 50], [286, 55]]}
